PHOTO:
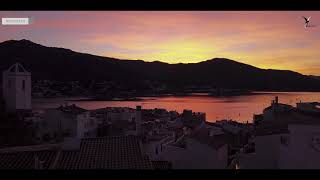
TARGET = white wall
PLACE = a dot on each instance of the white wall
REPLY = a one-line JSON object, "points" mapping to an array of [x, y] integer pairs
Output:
{"points": [[117, 116], [150, 149], [300, 153], [52, 119], [86, 125], [196, 156], [81, 123], [222, 157], [268, 150], [23, 96], [15, 96]]}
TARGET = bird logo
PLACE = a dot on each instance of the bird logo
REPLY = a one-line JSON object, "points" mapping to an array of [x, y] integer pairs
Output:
{"points": [[307, 22]]}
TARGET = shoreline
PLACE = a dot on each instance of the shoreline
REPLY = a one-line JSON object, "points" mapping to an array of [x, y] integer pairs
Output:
{"points": [[154, 96]]}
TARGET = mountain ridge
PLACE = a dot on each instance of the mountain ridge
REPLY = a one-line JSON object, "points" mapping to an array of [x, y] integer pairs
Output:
{"points": [[56, 63]]}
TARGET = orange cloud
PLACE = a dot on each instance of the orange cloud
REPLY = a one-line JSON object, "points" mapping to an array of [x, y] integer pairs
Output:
{"points": [[264, 39]]}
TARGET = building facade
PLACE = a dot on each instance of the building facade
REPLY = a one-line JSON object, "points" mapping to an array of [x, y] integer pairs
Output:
{"points": [[17, 88]]}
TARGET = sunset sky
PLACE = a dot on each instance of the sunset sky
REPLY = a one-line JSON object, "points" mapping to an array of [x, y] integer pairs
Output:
{"points": [[274, 40]]}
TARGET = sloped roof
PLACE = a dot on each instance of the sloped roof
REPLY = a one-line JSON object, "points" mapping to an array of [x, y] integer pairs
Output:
{"points": [[283, 119], [123, 152], [217, 141], [26, 159], [17, 68], [68, 160], [161, 165]]}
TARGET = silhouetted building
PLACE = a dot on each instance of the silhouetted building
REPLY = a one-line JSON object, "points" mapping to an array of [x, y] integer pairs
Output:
{"points": [[309, 107], [287, 138], [198, 150]]}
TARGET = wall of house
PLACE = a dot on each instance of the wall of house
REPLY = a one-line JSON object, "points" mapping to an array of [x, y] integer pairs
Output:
{"points": [[176, 156], [153, 149], [81, 125], [86, 125], [300, 153], [203, 156], [8, 86], [69, 124], [55, 122], [268, 150], [23, 94], [17, 97], [196, 156], [50, 122], [116, 116], [222, 157]]}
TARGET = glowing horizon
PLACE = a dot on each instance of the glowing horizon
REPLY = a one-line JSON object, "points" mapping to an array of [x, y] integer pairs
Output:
{"points": [[265, 39]]}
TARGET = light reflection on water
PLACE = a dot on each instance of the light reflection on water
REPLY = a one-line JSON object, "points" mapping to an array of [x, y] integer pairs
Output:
{"points": [[240, 108]]}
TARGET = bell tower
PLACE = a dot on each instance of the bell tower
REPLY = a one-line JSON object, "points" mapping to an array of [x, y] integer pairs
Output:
{"points": [[16, 85]]}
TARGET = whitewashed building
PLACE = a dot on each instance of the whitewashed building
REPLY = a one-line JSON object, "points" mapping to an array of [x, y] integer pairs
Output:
{"points": [[67, 121], [16, 85], [204, 149], [291, 140], [120, 114]]}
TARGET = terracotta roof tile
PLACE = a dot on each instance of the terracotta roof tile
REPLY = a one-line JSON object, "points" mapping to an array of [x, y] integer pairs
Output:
{"points": [[123, 152], [161, 165], [68, 160], [26, 160]]}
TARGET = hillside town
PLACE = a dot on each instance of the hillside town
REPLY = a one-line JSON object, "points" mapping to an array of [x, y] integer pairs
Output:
{"points": [[71, 137]]}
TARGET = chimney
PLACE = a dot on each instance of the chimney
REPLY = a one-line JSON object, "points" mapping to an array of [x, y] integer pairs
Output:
{"points": [[272, 102], [138, 121], [276, 100]]}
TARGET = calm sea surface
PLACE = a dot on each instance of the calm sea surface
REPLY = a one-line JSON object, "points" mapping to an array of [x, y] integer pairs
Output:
{"points": [[239, 108]]}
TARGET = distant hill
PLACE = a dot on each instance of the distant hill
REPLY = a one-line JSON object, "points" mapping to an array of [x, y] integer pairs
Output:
{"points": [[315, 77], [64, 65]]}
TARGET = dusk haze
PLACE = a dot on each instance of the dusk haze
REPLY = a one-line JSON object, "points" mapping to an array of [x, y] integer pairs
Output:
{"points": [[159, 90], [270, 40]]}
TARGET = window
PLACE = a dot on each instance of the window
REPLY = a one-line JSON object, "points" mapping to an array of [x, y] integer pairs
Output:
{"points": [[23, 85]]}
